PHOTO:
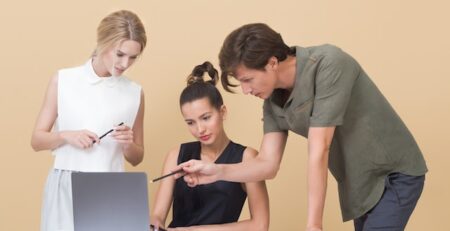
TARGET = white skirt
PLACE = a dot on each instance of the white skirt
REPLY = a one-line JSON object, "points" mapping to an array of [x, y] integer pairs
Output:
{"points": [[57, 208]]}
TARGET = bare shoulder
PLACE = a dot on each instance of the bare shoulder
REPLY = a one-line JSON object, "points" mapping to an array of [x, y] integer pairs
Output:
{"points": [[54, 80], [249, 153], [173, 153]]}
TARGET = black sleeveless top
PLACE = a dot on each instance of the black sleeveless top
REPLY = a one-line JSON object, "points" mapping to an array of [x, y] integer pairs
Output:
{"points": [[217, 203]]}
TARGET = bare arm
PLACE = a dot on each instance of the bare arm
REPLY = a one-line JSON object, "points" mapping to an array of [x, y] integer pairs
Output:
{"points": [[319, 141], [258, 201], [264, 166], [43, 138], [133, 139], [164, 193]]}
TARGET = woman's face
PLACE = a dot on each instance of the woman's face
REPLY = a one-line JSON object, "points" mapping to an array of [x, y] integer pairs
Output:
{"points": [[120, 57], [204, 121]]}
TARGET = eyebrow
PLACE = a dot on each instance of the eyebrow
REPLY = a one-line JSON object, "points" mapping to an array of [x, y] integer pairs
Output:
{"points": [[242, 78], [121, 52], [202, 115]]}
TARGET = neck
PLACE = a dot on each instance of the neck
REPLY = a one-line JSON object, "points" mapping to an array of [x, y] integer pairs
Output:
{"points": [[215, 149], [286, 73], [99, 67]]}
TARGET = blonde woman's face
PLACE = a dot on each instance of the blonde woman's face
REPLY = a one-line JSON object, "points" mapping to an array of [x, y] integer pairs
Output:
{"points": [[120, 57]]}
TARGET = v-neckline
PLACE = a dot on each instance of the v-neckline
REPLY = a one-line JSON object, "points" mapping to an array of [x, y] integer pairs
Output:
{"points": [[218, 157]]}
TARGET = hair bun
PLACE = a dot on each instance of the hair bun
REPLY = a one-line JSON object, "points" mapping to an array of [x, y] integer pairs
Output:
{"points": [[198, 72]]}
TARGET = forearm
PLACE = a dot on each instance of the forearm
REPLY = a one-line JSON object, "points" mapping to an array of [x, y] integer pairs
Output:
{"points": [[256, 169], [133, 153], [43, 140], [262, 167], [317, 187]]}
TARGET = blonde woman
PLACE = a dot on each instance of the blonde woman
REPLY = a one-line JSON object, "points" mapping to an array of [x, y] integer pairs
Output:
{"points": [[84, 102]]}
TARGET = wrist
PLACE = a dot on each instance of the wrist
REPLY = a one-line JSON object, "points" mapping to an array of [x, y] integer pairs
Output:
{"points": [[62, 137], [313, 229], [314, 225], [126, 147], [221, 172]]}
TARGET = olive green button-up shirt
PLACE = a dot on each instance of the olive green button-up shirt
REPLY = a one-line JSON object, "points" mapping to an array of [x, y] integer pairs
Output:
{"points": [[370, 140]]}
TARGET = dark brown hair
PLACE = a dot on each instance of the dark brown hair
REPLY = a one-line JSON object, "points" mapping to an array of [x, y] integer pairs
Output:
{"points": [[198, 88], [251, 45]]}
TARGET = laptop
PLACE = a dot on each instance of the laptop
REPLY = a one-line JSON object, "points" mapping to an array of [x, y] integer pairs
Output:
{"points": [[110, 201]]}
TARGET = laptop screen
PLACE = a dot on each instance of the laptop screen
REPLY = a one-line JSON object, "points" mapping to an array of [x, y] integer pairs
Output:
{"points": [[110, 201]]}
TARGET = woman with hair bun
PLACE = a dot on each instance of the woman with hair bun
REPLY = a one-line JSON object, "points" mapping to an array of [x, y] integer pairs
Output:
{"points": [[84, 102], [215, 206]]}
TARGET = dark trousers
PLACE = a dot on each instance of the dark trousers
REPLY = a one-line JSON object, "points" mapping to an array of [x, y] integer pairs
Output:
{"points": [[392, 212]]}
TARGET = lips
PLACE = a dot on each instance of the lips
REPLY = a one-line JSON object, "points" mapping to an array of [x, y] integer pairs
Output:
{"points": [[118, 70], [205, 137]]}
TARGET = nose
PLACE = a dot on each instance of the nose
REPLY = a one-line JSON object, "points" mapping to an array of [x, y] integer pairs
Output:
{"points": [[125, 63], [245, 88], [201, 129]]}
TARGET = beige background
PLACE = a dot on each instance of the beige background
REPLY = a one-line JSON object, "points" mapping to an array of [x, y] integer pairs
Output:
{"points": [[403, 45]]}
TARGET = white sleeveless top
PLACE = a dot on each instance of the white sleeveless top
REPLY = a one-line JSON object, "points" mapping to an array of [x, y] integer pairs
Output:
{"points": [[87, 101]]}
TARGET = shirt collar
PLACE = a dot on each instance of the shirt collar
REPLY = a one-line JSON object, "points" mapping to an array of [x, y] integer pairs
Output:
{"points": [[303, 88], [94, 79], [304, 76]]}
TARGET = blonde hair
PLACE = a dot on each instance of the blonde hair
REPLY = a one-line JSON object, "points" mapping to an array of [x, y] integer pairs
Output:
{"points": [[118, 26]]}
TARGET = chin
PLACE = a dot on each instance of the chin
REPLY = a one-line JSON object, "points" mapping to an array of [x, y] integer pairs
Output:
{"points": [[207, 142]]}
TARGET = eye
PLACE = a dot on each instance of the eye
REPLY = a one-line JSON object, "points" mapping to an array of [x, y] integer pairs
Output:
{"points": [[205, 118], [119, 55], [247, 80], [133, 57], [189, 123]]}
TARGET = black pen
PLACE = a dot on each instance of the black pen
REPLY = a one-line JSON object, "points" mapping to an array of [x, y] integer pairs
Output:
{"points": [[107, 133], [162, 177]]}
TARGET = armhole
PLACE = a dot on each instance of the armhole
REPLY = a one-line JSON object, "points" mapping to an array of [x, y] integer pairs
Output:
{"points": [[180, 154], [58, 97], [243, 148]]}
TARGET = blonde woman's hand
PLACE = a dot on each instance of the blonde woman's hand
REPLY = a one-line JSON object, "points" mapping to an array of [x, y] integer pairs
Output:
{"points": [[82, 139], [123, 134]]}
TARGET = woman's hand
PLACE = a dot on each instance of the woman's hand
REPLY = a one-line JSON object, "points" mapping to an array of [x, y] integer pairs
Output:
{"points": [[156, 225], [123, 134], [197, 172], [82, 139]]}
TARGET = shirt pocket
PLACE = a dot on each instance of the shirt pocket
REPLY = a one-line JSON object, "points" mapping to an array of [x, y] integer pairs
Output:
{"points": [[298, 117]]}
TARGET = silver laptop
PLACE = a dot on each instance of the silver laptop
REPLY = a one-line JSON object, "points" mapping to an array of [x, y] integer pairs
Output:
{"points": [[110, 201]]}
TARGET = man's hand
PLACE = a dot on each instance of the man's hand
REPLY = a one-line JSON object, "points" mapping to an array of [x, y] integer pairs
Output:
{"points": [[197, 172]]}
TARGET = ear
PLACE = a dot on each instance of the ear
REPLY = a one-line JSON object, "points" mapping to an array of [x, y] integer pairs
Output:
{"points": [[272, 63], [223, 112]]}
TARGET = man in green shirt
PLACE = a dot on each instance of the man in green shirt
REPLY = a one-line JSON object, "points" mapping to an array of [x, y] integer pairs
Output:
{"points": [[323, 94]]}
